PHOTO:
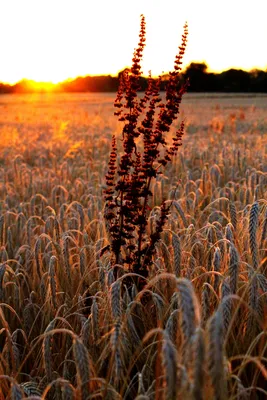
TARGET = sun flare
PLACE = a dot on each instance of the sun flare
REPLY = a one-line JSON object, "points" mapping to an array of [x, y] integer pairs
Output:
{"points": [[41, 86]]}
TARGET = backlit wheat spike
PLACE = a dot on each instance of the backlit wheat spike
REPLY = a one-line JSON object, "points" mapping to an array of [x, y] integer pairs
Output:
{"points": [[135, 339], [191, 267], [205, 305], [216, 267], [199, 197], [2, 273], [229, 233], [68, 392], [198, 252], [28, 317], [226, 305], [262, 282], [49, 225], [215, 174], [31, 389], [95, 320], [159, 303], [177, 254], [57, 230], [248, 196], [211, 234], [85, 333], [16, 354], [82, 262], [252, 301], [66, 256], [37, 248], [199, 363], [174, 301], [101, 275], [215, 356], [233, 268], [181, 213], [29, 231], [233, 214], [52, 280], [21, 222], [170, 359], [258, 194], [47, 353], [204, 180], [116, 299], [82, 364], [253, 225], [81, 214], [209, 259], [189, 309], [3, 255], [9, 246], [115, 346], [221, 244], [16, 392], [172, 325], [110, 278], [43, 286], [252, 182], [166, 256]]}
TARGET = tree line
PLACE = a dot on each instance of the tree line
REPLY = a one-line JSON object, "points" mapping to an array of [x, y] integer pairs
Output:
{"points": [[232, 80]]}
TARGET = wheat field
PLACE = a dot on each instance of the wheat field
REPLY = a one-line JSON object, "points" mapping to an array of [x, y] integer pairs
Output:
{"points": [[69, 329]]}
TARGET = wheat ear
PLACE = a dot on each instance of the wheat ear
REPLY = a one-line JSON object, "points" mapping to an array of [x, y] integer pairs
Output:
{"points": [[177, 254], [83, 367], [216, 356], [169, 358], [233, 268], [199, 361], [253, 224]]}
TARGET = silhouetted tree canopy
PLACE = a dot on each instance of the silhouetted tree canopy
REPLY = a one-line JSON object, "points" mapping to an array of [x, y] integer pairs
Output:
{"points": [[232, 80]]}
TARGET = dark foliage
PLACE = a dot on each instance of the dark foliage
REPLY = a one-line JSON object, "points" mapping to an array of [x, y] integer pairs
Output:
{"points": [[230, 81]]}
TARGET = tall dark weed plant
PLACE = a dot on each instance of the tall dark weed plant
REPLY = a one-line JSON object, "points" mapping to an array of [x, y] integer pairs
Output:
{"points": [[147, 121]]}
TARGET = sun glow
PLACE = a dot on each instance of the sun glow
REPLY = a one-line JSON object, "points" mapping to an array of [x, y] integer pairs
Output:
{"points": [[50, 41], [41, 86]]}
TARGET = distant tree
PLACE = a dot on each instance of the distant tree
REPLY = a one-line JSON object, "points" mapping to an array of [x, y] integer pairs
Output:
{"points": [[235, 80], [258, 80], [197, 75]]}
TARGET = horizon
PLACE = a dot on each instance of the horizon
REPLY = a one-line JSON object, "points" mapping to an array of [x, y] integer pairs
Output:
{"points": [[33, 81], [57, 42]]}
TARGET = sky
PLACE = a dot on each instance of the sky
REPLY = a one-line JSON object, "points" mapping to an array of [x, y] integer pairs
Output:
{"points": [[53, 40]]}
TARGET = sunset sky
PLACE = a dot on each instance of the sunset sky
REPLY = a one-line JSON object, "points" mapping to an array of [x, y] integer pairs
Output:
{"points": [[52, 40]]}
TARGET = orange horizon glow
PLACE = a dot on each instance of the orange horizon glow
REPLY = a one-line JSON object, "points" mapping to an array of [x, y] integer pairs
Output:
{"points": [[50, 85], [54, 41]]}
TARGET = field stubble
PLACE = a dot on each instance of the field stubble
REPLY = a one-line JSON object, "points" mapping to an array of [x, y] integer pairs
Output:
{"points": [[67, 328]]}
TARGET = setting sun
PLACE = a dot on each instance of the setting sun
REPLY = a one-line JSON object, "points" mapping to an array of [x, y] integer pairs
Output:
{"points": [[56, 40]]}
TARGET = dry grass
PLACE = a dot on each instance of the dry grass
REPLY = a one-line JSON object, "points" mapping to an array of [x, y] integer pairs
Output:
{"points": [[71, 328]]}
